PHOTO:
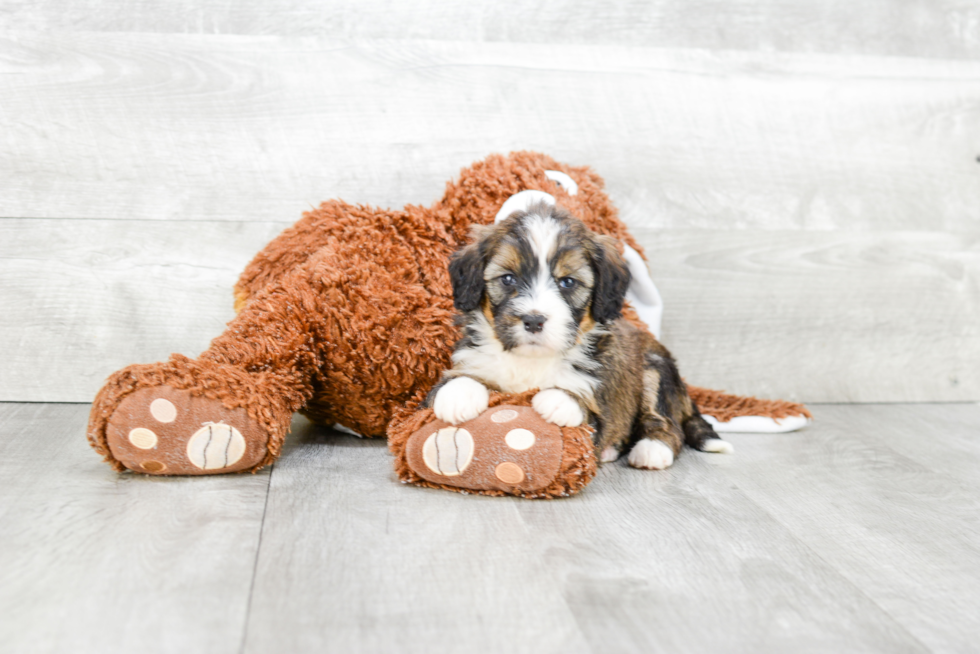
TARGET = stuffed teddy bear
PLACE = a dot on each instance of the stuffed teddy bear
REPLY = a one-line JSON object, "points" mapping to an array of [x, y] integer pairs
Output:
{"points": [[348, 317]]}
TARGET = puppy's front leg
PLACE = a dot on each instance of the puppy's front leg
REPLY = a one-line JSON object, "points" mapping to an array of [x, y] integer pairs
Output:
{"points": [[459, 399], [559, 407]]}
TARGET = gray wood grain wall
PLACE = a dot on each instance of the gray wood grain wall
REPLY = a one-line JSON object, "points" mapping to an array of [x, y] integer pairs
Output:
{"points": [[907, 28], [806, 182]]}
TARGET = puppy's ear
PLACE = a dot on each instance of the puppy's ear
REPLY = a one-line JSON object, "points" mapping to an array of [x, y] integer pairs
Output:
{"points": [[612, 279], [466, 273]]}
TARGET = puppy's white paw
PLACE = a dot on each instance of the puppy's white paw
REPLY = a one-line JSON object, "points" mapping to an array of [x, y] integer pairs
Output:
{"points": [[648, 453], [717, 445], [460, 400], [609, 454], [557, 407]]}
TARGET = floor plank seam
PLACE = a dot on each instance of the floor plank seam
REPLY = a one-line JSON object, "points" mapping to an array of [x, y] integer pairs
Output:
{"points": [[819, 557], [255, 564], [517, 503]]}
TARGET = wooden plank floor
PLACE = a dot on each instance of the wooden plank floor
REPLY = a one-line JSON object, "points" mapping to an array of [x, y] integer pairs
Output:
{"points": [[857, 534]]}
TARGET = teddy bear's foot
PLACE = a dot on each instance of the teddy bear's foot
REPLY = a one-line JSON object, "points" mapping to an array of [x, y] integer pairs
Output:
{"points": [[507, 448], [160, 430]]}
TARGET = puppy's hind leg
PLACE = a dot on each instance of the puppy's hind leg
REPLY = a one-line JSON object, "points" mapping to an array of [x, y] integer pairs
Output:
{"points": [[659, 442], [669, 418], [700, 435], [658, 436], [673, 400]]}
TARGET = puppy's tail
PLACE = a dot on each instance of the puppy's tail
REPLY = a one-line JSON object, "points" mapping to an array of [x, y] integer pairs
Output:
{"points": [[701, 436]]}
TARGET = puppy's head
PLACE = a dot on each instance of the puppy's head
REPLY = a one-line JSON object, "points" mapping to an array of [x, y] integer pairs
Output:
{"points": [[541, 279]]}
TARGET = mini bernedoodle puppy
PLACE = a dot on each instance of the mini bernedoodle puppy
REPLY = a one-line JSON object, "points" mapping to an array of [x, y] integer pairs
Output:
{"points": [[541, 298]]}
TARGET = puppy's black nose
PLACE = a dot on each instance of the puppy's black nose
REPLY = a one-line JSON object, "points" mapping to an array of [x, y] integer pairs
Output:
{"points": [[533, 322]]}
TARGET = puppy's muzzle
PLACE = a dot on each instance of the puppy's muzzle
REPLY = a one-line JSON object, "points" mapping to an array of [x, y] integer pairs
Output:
{"points": [[533, 322]]}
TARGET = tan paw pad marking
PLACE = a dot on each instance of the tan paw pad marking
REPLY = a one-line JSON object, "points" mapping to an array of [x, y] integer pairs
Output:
{"points": [[143, 438], [163, 410], [448, 451], [153, 466], [519, 439], [509, 473], [504, 415], [215, 446]]}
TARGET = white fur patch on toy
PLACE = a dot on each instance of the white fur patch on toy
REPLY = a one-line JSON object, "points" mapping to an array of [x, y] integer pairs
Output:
{"points": [[345, 430], [504, 415], [519, 439], [215, 446], [448, 451], [562, 180], [759, 424], [163, 410], [143, 438], [642, 293], [521, 201], [557, 407], [651, 454]]}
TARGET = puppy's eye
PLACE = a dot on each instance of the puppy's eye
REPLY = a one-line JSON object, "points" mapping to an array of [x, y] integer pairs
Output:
{"points": [[567, 282], [508, 280]]}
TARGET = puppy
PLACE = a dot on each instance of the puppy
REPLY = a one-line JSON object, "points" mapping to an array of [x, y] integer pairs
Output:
{"points": [[541, 299]]}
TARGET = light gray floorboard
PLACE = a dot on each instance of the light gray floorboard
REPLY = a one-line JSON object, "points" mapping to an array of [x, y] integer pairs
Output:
{"points": [[708, 556], [817, 316], [94, 561], [158, 126], [353, 561], [683, 562], [870, 492], [940, 437], [929, 28], [857, 534]]}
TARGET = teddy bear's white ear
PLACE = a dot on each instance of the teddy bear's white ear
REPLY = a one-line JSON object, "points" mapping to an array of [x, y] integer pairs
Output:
{"points": [[521, 201], [562, 180]]}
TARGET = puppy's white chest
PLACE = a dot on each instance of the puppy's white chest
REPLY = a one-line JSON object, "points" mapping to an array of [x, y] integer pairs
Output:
{"points": [[516, 374]]}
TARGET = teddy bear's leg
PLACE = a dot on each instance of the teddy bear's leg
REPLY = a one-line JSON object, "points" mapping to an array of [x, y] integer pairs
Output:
{"points": [[228, 410], [349, 324], [187, 417], [736, 413]]}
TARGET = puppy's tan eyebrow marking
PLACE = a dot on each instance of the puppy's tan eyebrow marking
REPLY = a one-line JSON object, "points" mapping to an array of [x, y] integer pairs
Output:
{"points": [[507, 259], [572, 262]]}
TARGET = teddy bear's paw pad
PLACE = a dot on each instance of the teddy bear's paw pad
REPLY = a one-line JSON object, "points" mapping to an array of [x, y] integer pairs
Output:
{"points": [[507, 448], [448, 452], [164, 431]]}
